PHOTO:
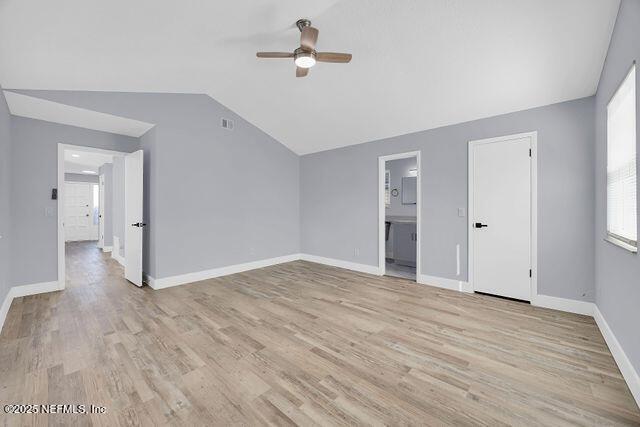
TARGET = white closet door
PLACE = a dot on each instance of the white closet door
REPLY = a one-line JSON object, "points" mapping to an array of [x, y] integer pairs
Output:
{"points": [[502, 218]]}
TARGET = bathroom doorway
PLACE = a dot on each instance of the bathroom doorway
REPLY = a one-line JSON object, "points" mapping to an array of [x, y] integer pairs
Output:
{"points": [[399, 212]]}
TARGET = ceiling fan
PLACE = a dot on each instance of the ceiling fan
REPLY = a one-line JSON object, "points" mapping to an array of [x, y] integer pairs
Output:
{"points": [[306, 56]]}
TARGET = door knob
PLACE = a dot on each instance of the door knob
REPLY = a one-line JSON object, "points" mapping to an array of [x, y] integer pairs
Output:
{"points": [[480, 225], [139, 224]]}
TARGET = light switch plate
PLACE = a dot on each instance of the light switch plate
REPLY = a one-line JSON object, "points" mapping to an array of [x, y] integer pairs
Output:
{"points": [[461, 212], [48, 212]]}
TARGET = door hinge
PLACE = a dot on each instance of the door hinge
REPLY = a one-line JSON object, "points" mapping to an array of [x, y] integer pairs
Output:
{"points": [[529, 152], [529, 272]]}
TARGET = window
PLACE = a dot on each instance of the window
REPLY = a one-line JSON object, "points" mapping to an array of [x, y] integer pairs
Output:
{"points": [[622, 224], [387, 188]]}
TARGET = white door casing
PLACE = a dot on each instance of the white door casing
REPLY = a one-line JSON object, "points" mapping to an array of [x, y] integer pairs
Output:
{"points": [[501, 216], [134, 221], [79, 212]]}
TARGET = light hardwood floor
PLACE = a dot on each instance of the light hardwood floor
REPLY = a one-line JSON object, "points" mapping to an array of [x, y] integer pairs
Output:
{"points": [[301, 343]]}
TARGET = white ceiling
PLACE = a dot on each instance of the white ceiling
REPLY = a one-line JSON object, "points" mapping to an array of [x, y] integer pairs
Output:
{"points": [[79, 161], [417, 64], [41, 109]]}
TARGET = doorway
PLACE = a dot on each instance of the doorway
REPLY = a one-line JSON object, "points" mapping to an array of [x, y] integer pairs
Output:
{"points": [[99, 191], [399, 208], [503, 216]]}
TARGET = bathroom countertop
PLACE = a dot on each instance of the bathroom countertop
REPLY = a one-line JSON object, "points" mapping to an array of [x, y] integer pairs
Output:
{"points": [[400, 219]]}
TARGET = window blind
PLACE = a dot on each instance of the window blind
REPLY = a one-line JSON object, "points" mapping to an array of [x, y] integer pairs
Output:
{"points": [[622, 222]]}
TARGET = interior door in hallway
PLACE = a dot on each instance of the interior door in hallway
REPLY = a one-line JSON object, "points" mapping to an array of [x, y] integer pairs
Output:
{"points": [[501, 222], [134, 225], [78, 224]]}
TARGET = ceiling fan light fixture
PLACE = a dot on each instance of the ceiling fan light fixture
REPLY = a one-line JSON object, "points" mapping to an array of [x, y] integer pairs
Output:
{"points": [[305, 59]]}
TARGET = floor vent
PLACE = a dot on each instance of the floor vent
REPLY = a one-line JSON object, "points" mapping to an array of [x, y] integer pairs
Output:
{"points": [[227, 124]]}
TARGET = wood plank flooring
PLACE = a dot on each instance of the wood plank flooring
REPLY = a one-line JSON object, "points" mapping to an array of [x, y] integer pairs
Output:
{"points": [[305, 344]]}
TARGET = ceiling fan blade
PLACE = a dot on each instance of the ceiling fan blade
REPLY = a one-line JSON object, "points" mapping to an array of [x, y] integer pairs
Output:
{"points": [[308, 38], [274, 55], [301, 72], [333, 57]]}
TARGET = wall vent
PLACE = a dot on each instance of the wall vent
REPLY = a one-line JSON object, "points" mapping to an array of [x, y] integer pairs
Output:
{"points": [[227, 124]]}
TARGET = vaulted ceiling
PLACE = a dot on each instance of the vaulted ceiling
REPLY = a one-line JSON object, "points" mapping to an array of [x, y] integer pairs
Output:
{"points": [[417, 64]]}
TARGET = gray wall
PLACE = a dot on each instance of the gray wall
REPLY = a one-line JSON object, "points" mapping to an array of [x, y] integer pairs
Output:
{"points": [[35, 162], [617, 271], [334, 179], [107, 171], [216, 197], [118, 202], [5, 191], [79, 177], [400, 168]]}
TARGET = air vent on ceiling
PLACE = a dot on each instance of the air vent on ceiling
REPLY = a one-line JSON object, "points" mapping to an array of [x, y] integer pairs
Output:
{"points": [[227, 124]]}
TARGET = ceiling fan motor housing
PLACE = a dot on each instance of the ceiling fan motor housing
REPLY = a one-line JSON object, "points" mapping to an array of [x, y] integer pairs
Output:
{"points": [[301, 23]]}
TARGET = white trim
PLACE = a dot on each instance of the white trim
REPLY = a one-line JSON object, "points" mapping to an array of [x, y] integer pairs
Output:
{"points": [[167, 282], [61, 248], [107, 248], [564, 304], [23, 291], [534, 205], [362, 268], [115, 253], [443, 282], [620, 243], [4, 310], [381, 269], [626, 368]]}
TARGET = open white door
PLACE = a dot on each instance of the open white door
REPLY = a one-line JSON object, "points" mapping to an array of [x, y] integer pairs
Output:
{"points": [[134, 222], [101, 213]]}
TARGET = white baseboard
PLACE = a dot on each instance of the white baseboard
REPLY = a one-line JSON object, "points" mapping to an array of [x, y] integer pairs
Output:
{"points": [[115, 253], [626, 368], [4, 310], [167, 282], [118, 258], [107, 248], [442, 282], [362, 268], [23, 291], [564, 304]]}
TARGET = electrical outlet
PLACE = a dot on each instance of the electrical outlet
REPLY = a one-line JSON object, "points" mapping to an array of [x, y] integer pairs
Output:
{"points": [[356, 252]]}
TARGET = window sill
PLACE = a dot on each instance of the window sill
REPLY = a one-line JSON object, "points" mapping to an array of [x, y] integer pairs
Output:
{"points": [[621, 244]]}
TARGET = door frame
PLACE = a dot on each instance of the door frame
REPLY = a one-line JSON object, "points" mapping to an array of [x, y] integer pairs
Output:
{"points": [[533, 136], [382, 160], [60, 199]]}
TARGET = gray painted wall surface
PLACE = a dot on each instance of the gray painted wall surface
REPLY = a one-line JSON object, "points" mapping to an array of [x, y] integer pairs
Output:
{"points": [[118, 202], [565, 190], [35, 159], [5, 194], [617, 271], [107, 171], [218, 197], [398, 169], [79, 177]]}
